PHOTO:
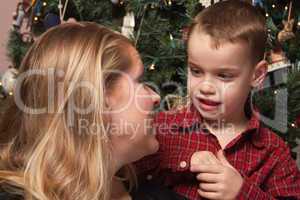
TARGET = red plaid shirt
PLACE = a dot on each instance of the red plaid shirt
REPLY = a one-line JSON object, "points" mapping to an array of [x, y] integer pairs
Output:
{"points": [[261, 157]]}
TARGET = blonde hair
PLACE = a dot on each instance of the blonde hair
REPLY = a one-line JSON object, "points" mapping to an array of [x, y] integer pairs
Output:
{"points": [[233, 21], [47, 156]]}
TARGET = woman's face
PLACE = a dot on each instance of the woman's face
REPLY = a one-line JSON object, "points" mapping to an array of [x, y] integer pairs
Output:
{"points": [[131, 103]]}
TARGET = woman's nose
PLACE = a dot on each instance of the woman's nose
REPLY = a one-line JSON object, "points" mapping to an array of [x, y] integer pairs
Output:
{"points": [[155, 97]]}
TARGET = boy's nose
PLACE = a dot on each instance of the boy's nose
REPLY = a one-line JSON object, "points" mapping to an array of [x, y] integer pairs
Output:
{"points": [[207, 88]]}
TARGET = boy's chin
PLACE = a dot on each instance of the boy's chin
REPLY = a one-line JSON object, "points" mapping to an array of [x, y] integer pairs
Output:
{"points": [[212, 116]]}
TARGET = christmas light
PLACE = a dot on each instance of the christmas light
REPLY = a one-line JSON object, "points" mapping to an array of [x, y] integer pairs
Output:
{"points": [[286, 8], [36, 18], [298, 23], [267, 14], [275, 92], [293, 125], [0, 83], [44, 3], [152, 67], [170, 2], [171, 37], [273, 6], [10, 93]]}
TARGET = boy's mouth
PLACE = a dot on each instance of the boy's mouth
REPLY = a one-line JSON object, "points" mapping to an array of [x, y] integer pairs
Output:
{"points": [[208, 105]]}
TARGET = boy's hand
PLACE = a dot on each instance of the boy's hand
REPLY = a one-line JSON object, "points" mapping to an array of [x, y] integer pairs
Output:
{"points": [[204, 158], [218, 181]]}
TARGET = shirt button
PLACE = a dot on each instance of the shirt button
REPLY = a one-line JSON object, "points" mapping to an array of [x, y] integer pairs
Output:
{"points": [[149, 177], [183, 164]]}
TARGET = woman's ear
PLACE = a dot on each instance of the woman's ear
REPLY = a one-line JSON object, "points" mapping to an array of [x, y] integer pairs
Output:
{"points": [[259, 73], [109, 101]]}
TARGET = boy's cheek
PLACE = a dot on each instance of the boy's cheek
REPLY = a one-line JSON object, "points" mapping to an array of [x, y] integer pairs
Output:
{"points": [[192, 83]]}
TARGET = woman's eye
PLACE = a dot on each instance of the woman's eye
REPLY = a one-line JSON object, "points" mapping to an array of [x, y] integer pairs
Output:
{"points": [[146, 84]]}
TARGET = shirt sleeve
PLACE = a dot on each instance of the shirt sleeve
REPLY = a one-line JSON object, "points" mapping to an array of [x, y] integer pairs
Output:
{"points": [[283, 181]]}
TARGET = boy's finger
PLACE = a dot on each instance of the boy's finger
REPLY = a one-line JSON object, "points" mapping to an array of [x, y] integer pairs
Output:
{"points": [[209, 195], [208, 178], [209, 187], [215, 168], [214, 160], [222, 158]]}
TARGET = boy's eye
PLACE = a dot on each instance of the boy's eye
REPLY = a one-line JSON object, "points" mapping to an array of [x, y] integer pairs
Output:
{"points": [[195, 71], [225, 76]]}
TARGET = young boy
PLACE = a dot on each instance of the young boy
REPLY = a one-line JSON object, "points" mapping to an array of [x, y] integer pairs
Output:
{"points": [[214, 149]]}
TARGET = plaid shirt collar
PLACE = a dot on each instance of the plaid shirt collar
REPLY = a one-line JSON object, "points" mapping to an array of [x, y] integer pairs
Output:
{"points": [[192, 120]]}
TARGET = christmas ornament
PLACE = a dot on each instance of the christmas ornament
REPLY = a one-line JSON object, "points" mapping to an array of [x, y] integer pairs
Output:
{"points": [[37, 7], [62, 9], [287, 32], [168, 2], [277, 60], [205, 3], [33, 2], [115, 1], [51, 20], [8, 79], [258, 3], [128, 25], [21, 11], [175, 102], [25, 30]]}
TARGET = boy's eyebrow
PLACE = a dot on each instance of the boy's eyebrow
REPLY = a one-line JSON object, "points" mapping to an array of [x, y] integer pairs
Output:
{"points": [[225, 69], [222, 68], [194, 64]]}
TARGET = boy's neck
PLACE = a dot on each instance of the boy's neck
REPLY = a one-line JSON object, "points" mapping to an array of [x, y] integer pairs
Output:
{"points": [[227, 130]]}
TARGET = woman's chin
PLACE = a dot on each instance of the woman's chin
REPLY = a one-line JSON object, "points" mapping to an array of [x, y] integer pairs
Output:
{"points": [[152, 147]]}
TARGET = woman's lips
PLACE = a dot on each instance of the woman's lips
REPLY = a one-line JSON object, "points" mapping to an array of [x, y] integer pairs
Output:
{"points": [[208, 105]]}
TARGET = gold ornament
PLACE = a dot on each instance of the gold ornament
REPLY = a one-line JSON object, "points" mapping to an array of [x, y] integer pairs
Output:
{"points": [[33, 2], [287, 32]]}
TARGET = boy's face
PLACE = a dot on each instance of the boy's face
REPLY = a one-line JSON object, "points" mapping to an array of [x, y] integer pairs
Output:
{"points": [[219, 80]]}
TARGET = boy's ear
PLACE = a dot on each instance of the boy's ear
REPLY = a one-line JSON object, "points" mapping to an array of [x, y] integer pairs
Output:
{"points": [[259, 73]]}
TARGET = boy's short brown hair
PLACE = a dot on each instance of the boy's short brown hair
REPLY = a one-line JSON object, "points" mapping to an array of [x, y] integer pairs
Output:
{"points": [[233, 21]]}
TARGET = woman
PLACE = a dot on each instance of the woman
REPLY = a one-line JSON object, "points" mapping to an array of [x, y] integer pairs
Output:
{"points": [[80, 116]]}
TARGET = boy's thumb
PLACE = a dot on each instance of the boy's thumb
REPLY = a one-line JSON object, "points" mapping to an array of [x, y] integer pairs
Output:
{"points": [[222, 158]]}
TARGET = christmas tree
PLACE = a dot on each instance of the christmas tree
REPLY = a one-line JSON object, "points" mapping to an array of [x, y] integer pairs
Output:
{"points": [[159, 29]]}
